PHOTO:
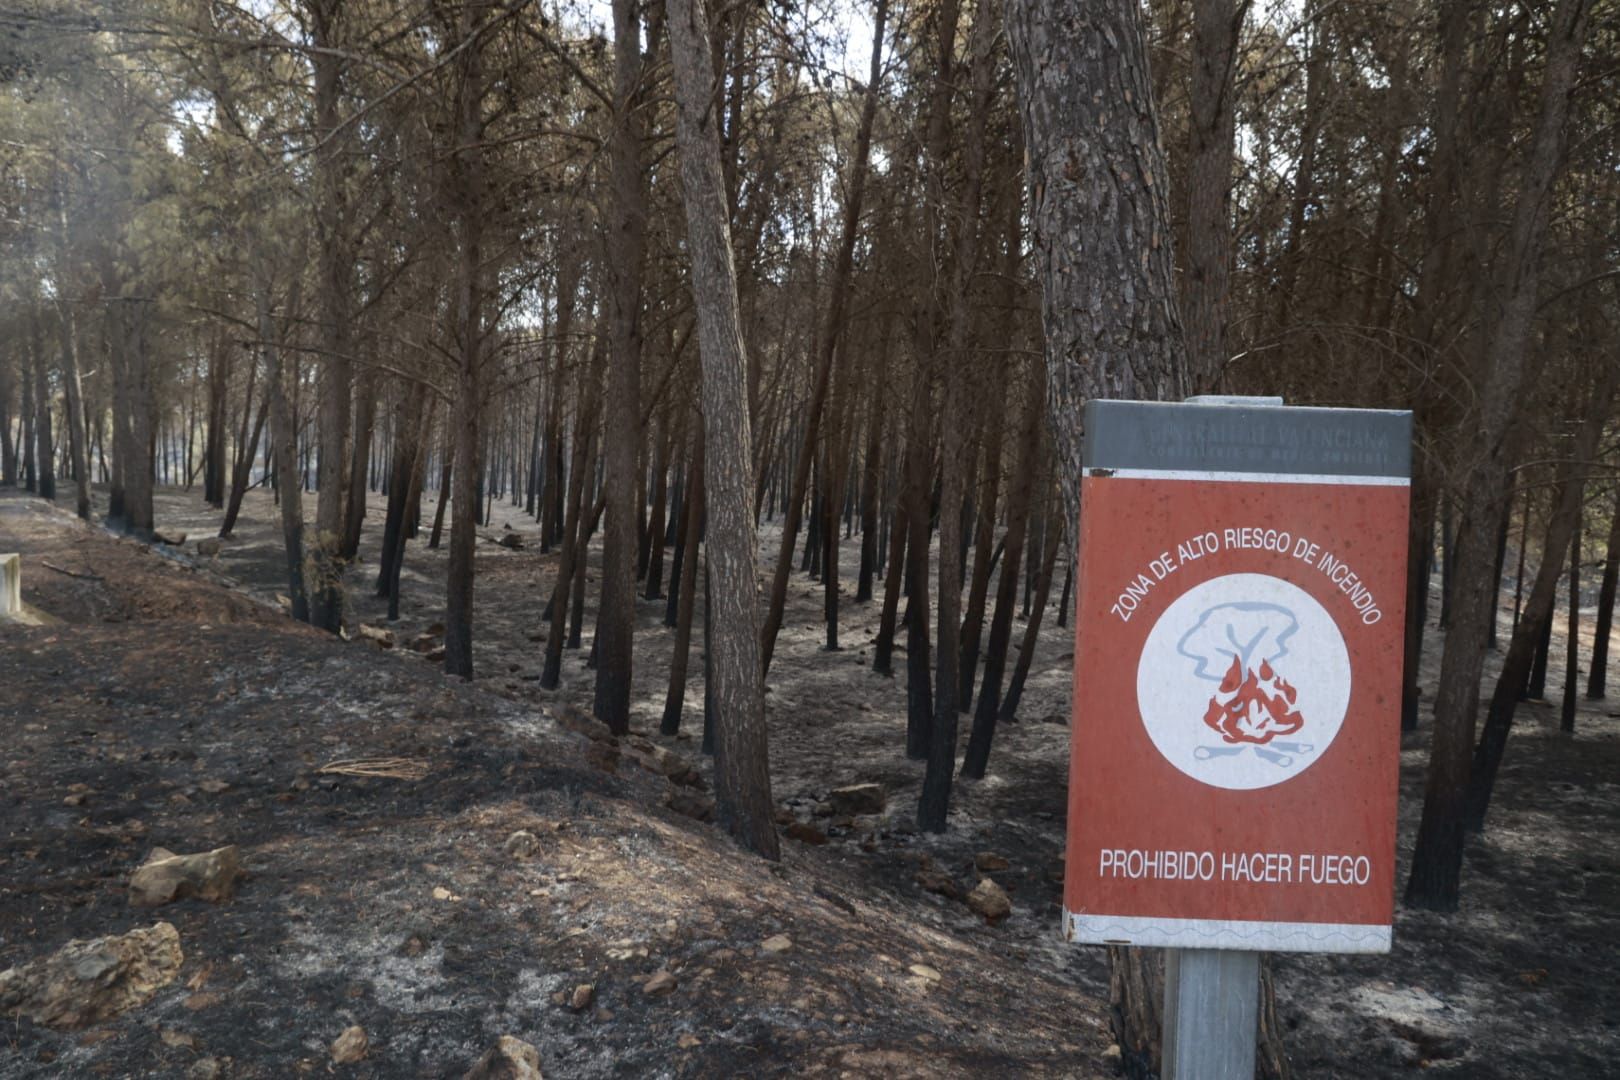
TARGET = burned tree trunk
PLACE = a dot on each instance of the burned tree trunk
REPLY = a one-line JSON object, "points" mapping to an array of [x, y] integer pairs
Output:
{"points": [[574, 535], [1025, 471], [1572, 638], [1597, 678], [616, 615], [1437, 860], [247, 448], [1536, 623], [470, 185], [73, 402], [741, 762], [284, 436], [214, 444], [1100, 226], [1032, 629], [685, 586], [409, 437], [354, 510], [335, 267], [830, 335], [1209, 184], [45, 448]]}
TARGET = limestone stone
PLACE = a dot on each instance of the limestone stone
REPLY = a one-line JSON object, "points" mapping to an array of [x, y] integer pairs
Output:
{"points": [[351, 1046], [509, 1059], [858, 799], [165, 877], [990, 900], [86, 982]]}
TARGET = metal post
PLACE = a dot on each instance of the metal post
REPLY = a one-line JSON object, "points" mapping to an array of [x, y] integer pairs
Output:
{"points": [[1211, 1014], [10, 585], [1212, 996]]}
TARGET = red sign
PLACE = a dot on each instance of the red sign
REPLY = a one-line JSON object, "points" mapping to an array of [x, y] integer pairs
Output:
{"points": [[1237, 691]]}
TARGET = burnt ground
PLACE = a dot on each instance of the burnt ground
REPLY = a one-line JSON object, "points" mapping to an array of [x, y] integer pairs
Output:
{"points": [[168, 701]]}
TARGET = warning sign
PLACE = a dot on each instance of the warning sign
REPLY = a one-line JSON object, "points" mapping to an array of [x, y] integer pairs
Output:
{"points": [[1236, 731]]}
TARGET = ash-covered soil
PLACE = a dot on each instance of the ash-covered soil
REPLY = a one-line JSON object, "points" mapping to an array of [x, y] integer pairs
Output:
{"points": [[163, 701]]}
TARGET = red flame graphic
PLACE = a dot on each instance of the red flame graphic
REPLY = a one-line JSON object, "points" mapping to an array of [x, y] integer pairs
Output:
{"points": [[1253, 706]]}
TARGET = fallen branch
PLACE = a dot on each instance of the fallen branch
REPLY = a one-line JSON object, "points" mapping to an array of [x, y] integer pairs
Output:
{"points": [[71, 573], [380, 768]]}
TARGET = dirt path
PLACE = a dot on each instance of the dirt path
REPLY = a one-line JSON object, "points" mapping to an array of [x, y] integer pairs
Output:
{"points": [[159, 678]]}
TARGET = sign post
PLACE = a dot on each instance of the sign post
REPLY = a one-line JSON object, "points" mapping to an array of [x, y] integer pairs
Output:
{"points": [[10, 585], [1236, 738]]}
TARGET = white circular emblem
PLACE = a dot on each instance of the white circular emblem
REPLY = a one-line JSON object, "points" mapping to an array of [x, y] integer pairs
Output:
{"points": [[1244, 681]]}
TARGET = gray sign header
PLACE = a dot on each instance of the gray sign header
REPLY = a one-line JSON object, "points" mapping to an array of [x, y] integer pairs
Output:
{"points": [[1200, 437]]}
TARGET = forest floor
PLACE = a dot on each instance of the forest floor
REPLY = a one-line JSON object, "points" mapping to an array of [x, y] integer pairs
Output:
{"points": [[161, 699]]}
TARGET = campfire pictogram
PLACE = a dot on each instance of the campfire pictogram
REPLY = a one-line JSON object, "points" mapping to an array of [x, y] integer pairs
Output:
{"points": [[1253, 706], [1237, 646]]}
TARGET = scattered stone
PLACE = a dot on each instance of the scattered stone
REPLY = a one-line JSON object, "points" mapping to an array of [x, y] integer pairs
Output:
{"points": [[583, 723], [690, 803], [938, 881], [988, 861], [581, 998], [444, 894], [604, 1015], [662, 761], [687, 1041], [868, 823], [806, 833], [379, 636], [1430, 1042], [170, 539], [165, 877], [1113, 1052], [661, 983], [86, 982], [214, 787], [990, 900], [210, 548], [776, 943], [180, 1040], [509, 1059], [78, 798], [837, 901], [208, 1068], [603, 755], [351, 1046], [923, 971], [522, 844], [858, 799]]}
